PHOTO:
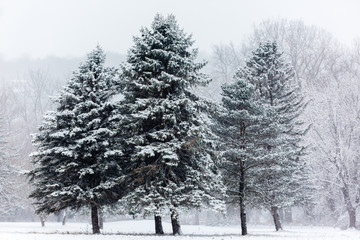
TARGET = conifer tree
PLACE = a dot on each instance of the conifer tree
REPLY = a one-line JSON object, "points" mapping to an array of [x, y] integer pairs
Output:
{"points": [[245, 130], [170, 163], [77, 159], [285, 182]]}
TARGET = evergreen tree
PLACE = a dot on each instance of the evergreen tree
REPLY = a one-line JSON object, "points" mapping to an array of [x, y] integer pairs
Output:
{"points": [[76, 162], [285, 182], [245, 130], [170, 163]]}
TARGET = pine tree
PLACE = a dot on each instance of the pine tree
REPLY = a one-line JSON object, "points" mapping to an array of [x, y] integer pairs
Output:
{"points": [[77, 159], [245, 130], [168, 142], [285, 182]]}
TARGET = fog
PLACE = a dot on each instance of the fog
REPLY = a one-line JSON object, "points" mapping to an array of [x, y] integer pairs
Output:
{"points": [[68, 28]]}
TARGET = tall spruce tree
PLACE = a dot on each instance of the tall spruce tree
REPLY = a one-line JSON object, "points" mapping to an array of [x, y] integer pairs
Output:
{"points": [[285, 182], [77, 159], [170, 163], [245, 130]]}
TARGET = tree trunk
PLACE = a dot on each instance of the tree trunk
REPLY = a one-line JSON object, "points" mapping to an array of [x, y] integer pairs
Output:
{"points": [[281, 214], [349, 207], [242, 200], [58, 217], [101, 219], [95, 219], [288, 215], [276, 218], [243, 218], [197, 218], [158, 225], [175, 222], [352, 218], [42, 220], [64, 218]]}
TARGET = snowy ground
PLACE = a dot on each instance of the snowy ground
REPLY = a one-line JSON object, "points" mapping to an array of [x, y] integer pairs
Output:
{"points": [[143, 230]]}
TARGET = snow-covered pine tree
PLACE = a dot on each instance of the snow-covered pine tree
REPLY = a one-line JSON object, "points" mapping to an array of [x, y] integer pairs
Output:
{"points": [[285, 182], [77, 159], [244, 129], [170, 162]]}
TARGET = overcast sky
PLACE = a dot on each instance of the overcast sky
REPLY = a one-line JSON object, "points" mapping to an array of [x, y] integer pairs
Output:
{"points": [[71, 28]]}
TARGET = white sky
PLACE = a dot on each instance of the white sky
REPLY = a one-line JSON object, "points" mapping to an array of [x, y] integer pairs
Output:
{"points": [[70, 28]]}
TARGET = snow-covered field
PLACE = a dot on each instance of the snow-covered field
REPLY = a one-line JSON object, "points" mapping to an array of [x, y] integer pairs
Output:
{"points": [[143, 230]]}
